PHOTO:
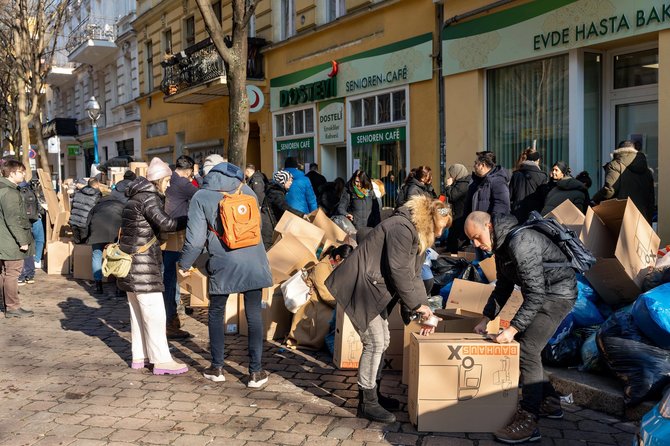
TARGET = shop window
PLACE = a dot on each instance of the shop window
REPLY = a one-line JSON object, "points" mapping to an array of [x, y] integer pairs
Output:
{"points": [[636, 69], [528, 103], [294, 136], [380, 109]]}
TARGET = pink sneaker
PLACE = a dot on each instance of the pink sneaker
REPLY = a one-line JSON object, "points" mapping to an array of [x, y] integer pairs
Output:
{"points": [[170, 368], [139, 364]]}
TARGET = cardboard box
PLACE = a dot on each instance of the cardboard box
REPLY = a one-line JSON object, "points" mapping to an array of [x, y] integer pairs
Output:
{"points": [[276, 318], [454, 320], [488, 267], [473, 296], [393, 357], [461, 383], [334, 235], [287, 256], [624, 244], [58, 255], [304, 231], [174, 241], [348, 346], [81, 258], [196, 285], [468, 254], [569, 216]]}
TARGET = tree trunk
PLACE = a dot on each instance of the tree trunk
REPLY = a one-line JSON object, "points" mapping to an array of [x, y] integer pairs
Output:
{"points": [[238, 105], [42, 151], [24, 120]]}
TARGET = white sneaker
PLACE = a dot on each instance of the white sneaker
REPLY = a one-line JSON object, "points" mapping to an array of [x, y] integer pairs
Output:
{"points": [[38, 264]]}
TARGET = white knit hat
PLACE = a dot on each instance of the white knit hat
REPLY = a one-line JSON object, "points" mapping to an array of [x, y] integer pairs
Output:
{"points": [[211, 161], [158, 169]]}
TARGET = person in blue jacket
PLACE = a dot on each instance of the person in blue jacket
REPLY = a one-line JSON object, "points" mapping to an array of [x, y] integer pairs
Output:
{"points": [[242, 270], [301, 195]]}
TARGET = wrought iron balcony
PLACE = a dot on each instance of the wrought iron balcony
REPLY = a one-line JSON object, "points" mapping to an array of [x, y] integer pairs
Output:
{"points": [[92, 39], [201, 64]]}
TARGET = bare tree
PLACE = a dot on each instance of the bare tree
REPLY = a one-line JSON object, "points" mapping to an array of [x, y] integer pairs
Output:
{"points": [[28, 47], [234, 56]]}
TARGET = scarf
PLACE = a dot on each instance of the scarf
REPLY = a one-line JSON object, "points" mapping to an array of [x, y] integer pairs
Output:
{"points": [[360, 193]]}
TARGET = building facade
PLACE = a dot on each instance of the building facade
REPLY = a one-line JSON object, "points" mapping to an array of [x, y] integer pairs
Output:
{"points": [[573, 77], [97, 56]]}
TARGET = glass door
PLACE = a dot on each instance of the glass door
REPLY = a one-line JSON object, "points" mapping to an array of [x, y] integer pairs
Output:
{"points": [[638, 122]]}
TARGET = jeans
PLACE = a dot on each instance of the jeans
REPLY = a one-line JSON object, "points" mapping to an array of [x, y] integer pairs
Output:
{"points": [[38, 235], [536, 385], [375, 341], [252, 308], [171, 296], [96, 260], [28, 271]]}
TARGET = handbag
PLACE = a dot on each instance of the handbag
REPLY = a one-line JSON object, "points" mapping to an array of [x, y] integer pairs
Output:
{"points": [[296, 291], [116, 262]]}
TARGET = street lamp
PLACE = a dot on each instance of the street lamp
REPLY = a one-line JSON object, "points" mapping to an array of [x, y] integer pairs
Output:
{"points": [[93, 110]]}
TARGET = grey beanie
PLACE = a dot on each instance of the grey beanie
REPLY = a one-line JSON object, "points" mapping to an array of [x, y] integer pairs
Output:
{"points": [[211, 161]]}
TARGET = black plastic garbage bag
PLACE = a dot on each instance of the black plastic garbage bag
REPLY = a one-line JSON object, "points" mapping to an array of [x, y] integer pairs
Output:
{"points": [[565, 353], [446, 269], [643, 367]]}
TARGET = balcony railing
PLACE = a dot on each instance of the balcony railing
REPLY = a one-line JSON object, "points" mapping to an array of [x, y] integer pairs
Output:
{"points": [[60, 60], [92, 28], [201, 63]]}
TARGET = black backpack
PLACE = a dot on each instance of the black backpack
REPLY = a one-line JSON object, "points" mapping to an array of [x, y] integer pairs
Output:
{"points": [[579, 257], [31, 203]]}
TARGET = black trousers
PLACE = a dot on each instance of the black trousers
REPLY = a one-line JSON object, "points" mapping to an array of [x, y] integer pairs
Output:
{"points": [[536, 385]]}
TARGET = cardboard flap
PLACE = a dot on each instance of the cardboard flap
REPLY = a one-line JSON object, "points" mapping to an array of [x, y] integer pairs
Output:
{"points": [[488, 267], [304, 231], [596, 236], [569, 216], [637, 245], [611, 213], [287, 256], [469, 296], [332, 232]]}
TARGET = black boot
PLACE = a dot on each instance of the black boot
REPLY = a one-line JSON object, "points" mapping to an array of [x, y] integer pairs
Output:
{"points": [[368, 407], [384, 401], [98, 287]]}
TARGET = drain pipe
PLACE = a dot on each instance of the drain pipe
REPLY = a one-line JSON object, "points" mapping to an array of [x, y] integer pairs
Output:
{"points": [[440, 24]]}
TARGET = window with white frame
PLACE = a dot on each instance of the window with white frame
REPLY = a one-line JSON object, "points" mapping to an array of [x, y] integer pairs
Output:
{"points": [[149, 67], [336, 8], [378, 138], [294, 135], [287, 18]]}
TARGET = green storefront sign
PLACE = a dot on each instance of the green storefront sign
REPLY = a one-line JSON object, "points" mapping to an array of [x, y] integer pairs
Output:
{"points": [[315, 91], [73, 150], [295, 144], [378, 136]]}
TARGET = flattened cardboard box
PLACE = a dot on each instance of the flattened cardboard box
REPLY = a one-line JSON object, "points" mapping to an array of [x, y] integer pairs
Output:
{"points": [[81, 258], [58, 256], [454, 320], [625, 245], [287, 256], [305, 232], [276, 318], [334, 235], [461, 383]]}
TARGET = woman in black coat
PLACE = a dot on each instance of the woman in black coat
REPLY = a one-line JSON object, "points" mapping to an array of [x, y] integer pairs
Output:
{"points": [[525, 187], [386, 268], [357, 200], [143, 220], [456, 192], [274, 205], [418, 182]]}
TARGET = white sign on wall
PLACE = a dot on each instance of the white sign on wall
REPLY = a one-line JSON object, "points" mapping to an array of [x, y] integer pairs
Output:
{"points": [[331, 122]]}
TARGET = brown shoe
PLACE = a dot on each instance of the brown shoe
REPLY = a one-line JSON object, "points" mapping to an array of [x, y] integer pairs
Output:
{"points": [[521, 429], [551, 408], [173, 329]]}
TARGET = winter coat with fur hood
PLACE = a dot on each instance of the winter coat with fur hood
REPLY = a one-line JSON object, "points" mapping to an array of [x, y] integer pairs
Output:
{"points": [[628, 175], [520, 261], [144, 218], [386, 266]]}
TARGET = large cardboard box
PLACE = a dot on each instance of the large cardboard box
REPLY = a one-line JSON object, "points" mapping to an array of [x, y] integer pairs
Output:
{"points": [[393, 357], [334, 235], [488, 267], [174, 241], [569, 216], [454, 320], [305, 232], [461, 383], [276, 318], [196, 285], [81, 259], [348, 346], [58, 256], [287, 256], [624, 244], [468, 254]]}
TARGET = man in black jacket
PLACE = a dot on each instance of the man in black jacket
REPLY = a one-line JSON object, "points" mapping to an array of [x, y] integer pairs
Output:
{"points": [[257, 181], [549, 294], [82, 203]]}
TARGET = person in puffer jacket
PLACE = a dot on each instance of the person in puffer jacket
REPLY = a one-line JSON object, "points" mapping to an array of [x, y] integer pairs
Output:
{"points": [[82, 203], [142, 222], [488, 191], [549, 293]]}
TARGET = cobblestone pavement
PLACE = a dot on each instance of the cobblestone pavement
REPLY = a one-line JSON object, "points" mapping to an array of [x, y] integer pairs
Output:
{"points": [[66, 380]]}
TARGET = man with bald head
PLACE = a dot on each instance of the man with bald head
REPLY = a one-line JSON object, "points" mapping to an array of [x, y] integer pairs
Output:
{"points": [[526, 258]]}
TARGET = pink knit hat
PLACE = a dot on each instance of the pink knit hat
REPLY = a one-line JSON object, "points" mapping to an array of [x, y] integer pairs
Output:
{"points": [[158, 169]]}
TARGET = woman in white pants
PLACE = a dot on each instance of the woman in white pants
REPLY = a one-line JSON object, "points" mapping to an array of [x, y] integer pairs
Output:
{"points": [[143, 220]]}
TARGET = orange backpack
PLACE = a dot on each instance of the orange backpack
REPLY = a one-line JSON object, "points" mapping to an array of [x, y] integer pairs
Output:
{"points": [[241, 220]]}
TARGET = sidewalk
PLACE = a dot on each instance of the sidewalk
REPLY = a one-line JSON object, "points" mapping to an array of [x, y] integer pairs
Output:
{"points": [[66, 380]]}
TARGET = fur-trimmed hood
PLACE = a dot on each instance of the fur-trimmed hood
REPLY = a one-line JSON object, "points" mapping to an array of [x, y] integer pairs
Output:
{"points": [[418, 211], [631, 159]]}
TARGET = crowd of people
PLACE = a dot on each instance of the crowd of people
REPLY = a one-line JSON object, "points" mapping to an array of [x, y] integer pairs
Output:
{"points": [[169, 217]]}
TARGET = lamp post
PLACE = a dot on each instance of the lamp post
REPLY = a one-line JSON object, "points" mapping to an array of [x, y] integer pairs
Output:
{"points": [[93, 110]]}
